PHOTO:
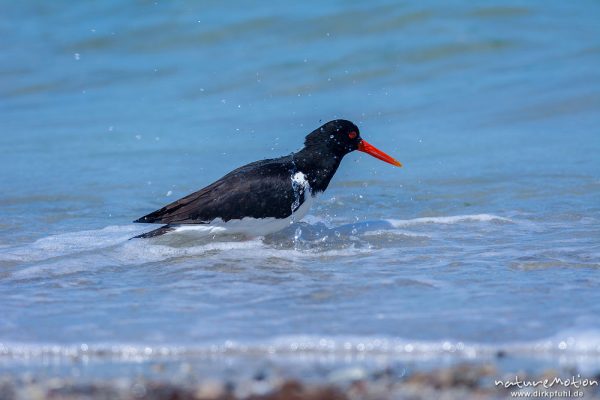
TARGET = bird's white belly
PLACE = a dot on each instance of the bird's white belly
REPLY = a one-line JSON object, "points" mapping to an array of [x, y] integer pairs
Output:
{"points": [[249, 226]]}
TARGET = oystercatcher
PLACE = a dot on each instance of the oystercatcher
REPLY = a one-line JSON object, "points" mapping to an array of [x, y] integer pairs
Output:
{"points": [[266, 196]]}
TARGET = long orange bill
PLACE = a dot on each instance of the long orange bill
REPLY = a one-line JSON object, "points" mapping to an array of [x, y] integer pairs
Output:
{"points": [[375, 152]]}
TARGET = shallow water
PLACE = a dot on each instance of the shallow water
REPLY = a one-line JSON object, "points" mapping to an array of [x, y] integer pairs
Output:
{"points": [[487, 240]]}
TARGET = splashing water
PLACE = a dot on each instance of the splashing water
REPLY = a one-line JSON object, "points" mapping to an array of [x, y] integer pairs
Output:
{"points": [[301, 190]]}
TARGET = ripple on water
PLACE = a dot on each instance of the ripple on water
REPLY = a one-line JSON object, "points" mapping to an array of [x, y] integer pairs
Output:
{"points": [[75, 252]]}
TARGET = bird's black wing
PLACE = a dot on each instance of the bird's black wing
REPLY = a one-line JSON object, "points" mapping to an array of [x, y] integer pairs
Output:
{"points": [[258, 190]]}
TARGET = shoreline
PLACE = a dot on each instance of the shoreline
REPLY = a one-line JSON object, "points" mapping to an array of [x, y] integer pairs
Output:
{"points": [[464, 380]]}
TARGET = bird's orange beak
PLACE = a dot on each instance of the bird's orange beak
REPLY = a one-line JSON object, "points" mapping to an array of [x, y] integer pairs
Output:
{"points": [[375, 152]]}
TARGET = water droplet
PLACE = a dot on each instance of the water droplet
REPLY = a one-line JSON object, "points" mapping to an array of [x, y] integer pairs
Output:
{"points": [[337, 234], [169, 193], [562, 345], [77, 56], [299, 186]]}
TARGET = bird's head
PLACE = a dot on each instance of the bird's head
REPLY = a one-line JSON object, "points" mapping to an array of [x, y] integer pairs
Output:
{"points": [[342, 137]]}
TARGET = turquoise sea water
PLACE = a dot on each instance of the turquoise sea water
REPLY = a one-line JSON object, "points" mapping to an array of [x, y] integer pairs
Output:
{"points": [[487, 240]]}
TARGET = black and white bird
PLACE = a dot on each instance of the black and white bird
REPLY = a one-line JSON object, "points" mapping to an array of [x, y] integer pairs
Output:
{"points": [[265, 196]]}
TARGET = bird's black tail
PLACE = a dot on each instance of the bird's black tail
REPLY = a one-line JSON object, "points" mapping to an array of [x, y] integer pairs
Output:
{"points": [[157, 232]]}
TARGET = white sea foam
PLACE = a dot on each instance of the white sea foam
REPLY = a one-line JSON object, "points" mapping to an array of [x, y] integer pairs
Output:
{"points": [[569, 344], [69, 243], [396, 232], [454, 219], [58, 258], [77, 251], [128, 253]]}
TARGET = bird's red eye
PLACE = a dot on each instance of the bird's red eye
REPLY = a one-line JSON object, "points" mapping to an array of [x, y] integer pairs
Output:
{"points": [[352, 135]]}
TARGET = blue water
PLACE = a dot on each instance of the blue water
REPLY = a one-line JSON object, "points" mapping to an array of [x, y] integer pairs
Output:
{"points": [[487, 239]]}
